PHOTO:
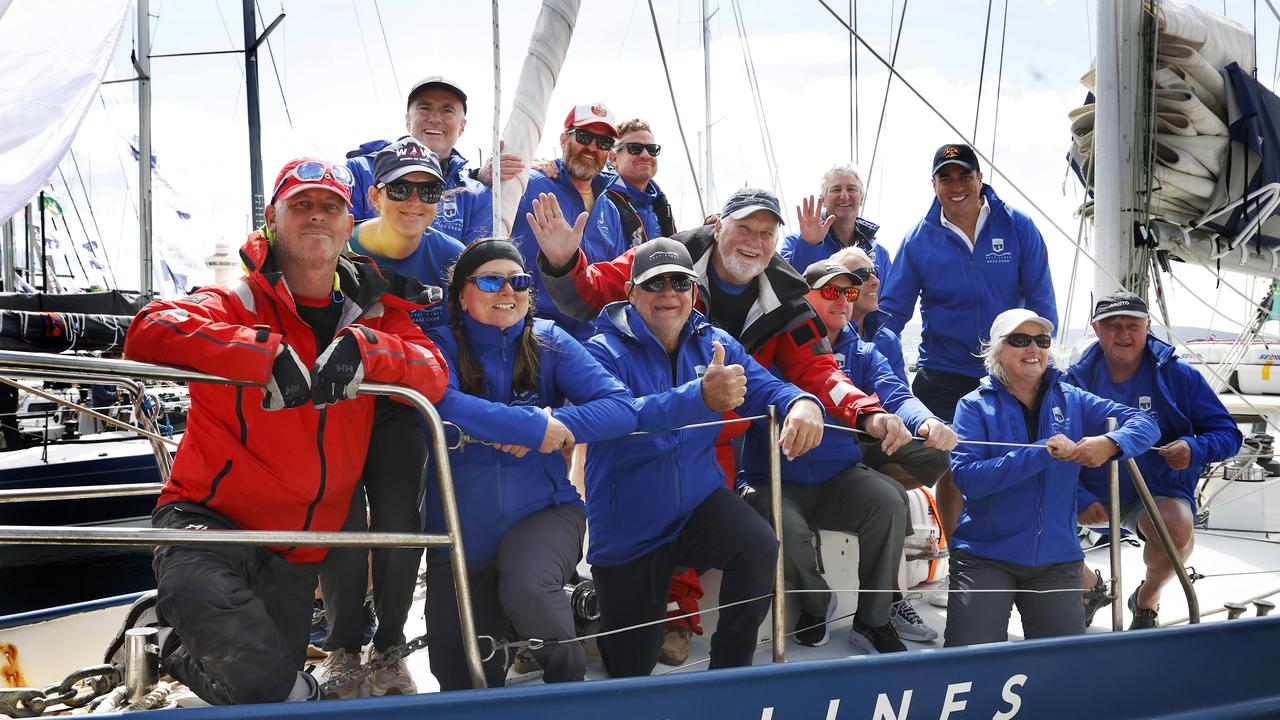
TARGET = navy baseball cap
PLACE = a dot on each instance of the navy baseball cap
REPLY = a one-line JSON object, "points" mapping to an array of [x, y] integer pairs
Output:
{"points": [[955, 154], [748, 200], [403, 157], [1120, 302]]}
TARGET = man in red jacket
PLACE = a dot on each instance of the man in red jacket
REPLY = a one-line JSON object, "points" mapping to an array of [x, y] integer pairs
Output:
{"points": [[742, 287], [308, 326]]}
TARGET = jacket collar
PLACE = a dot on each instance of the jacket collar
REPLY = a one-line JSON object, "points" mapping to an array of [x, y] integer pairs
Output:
{"points": [[485, 336], [621, 318], [361, 283], [934, 216], [637, 197]]}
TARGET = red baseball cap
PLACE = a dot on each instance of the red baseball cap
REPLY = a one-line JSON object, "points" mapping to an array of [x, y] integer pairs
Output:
{"points": [[307, 173], [592, 115]]}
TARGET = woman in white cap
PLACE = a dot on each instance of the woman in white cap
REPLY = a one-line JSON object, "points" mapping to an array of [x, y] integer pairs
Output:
{"points": [[1016, 534]]}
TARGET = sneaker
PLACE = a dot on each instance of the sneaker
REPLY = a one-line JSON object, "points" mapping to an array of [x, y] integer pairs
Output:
{"points": [[368, 621], [812, 630], [319, 623], [525, 662], [1143, 618], [908, 623], [875, 640], [675, 646], [938, 598], [1095, 598], [142, 613], [338, 662], [393, 680]]}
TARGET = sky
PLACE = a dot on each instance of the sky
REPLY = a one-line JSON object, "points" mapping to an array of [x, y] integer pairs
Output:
{"points": [[343, 68]]}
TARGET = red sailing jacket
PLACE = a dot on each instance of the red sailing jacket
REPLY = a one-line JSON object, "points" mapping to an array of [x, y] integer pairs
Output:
{"points": [[292, 469], [781, 328]]}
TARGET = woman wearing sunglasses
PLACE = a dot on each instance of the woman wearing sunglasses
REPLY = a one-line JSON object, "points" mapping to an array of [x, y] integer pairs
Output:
{"points": [[522, 390], [830, 222], [1017, 529]]}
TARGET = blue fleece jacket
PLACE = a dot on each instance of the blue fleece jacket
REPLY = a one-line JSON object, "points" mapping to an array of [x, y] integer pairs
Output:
{"points": [[1185, 408], [428, 263], [642, 202], [877, 332], [495, 489], [868, 370], [641, 490], [1019, 503], [961, 290], [601, 240], [801, 254], [466, 211]]}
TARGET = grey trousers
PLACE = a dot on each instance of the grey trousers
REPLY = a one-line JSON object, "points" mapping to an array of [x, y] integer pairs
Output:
{"points": [[974, 618], [925, 465], [389, 483], [515, 596], [858, 500]]}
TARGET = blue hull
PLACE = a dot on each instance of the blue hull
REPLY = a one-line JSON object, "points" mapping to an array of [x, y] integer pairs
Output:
{"points": [[118, 470], [1217, 670]]}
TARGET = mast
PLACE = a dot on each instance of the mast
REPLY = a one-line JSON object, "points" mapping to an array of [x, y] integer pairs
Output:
{"points": [[143, 65], [9, 272], [706, 82], [251, 41], [1116, 143]]}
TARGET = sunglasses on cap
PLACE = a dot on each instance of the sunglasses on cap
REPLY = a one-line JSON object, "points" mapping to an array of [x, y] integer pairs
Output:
{"points": [[831, 292], [634, 148], [586, 137], [314, 171], [679, 283], [1021, 340], [401, 190], [861, 275], [520, 282]]}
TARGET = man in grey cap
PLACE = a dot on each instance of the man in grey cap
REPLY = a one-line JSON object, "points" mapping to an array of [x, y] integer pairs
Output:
{"points": [[436, 115], [1131, 366], [746, 290]]}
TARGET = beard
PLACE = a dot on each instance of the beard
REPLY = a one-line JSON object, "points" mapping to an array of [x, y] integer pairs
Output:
{"points": [[583, 167], [741, 270]]}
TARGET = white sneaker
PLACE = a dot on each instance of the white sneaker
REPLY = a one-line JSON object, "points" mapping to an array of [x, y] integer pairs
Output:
{"points": [[908, 622], [338, 662], [939, 599], [394, 680]]}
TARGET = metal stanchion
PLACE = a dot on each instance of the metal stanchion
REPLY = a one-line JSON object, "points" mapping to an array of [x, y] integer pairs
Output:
{"points": [[1113, 473], [779, 582]]}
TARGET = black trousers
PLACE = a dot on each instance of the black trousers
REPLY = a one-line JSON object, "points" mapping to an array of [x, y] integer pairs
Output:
{"points": [[724, 533], [386, 501], [940, 391], [242, 614]]}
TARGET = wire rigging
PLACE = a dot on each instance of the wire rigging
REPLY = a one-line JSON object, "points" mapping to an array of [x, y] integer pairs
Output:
{"points": [[853, 86], [982, 68], [94, 218], [995, 120], [391, 60], [367, 61], [693, 172], [276, 69], [888, 83], [762, 120]]}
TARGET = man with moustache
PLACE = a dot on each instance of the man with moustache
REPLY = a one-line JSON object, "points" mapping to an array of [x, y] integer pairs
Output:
{"points": [[577, 185]]}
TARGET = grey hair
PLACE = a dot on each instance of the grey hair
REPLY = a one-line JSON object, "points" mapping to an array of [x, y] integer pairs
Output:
{"points": [[844, 255], [989, 352], [843, 169]]}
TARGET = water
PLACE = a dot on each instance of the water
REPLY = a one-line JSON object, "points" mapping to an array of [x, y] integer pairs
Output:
{"points": [[41, 576]]}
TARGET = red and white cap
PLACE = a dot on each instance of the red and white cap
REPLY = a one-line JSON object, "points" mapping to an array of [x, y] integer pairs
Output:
{"points": [[319, 174], [592, 116]]}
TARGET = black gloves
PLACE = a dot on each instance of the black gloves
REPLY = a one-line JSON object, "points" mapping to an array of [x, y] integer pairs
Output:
{"points": [[289, 385], [337, 373]]}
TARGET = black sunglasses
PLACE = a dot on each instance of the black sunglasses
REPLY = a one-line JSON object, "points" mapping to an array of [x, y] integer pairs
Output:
{"points": [[401, 190], [1021, 340], [864, 274], [520, 282], [585, 137], [634, 148], [679, 283]]}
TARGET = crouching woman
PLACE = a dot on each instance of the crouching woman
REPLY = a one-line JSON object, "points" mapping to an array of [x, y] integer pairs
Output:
{"points": [[1016, 536], [526, 390]]}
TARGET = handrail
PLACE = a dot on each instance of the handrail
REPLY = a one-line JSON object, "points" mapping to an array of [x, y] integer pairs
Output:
{"points": [[1166, 541], [79, 492], [775, 507], [1113, 519], [110, 370]]}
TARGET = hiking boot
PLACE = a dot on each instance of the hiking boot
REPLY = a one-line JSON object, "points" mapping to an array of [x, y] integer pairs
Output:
{"points": [[338, 662], [1095, 598], [908, 623], [1143, 618], [393, 680], [875, 640], [142, 613], [812, 630], [675, 646]]}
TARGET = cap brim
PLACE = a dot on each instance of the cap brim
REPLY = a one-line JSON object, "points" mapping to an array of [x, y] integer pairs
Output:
{"points": [[402, 171], [1117, 313], [820, 282], [309, 186], [437, 84], [967, 166], [745, 211], [604, 127], [662, 270]]}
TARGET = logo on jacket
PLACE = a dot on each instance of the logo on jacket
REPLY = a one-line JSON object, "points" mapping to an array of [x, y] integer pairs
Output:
{"points": [[700, 370], [448, 207], [526, 399], [1058, 415], [998, 254], [840, 361], [1144, 403], [997, 244]]}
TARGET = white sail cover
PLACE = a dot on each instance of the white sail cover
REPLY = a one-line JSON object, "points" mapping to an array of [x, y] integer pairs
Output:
{"points": [[53, 57]]}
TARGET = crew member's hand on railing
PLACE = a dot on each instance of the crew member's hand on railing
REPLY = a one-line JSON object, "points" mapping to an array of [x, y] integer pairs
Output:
{"points": [[1060, 447], [724, 387], [557, 239], [938, 435], [888, 429], [289, 385], [1094, 514], [1095, 451], [1177, 454], [337, 373], [802, 429]]}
